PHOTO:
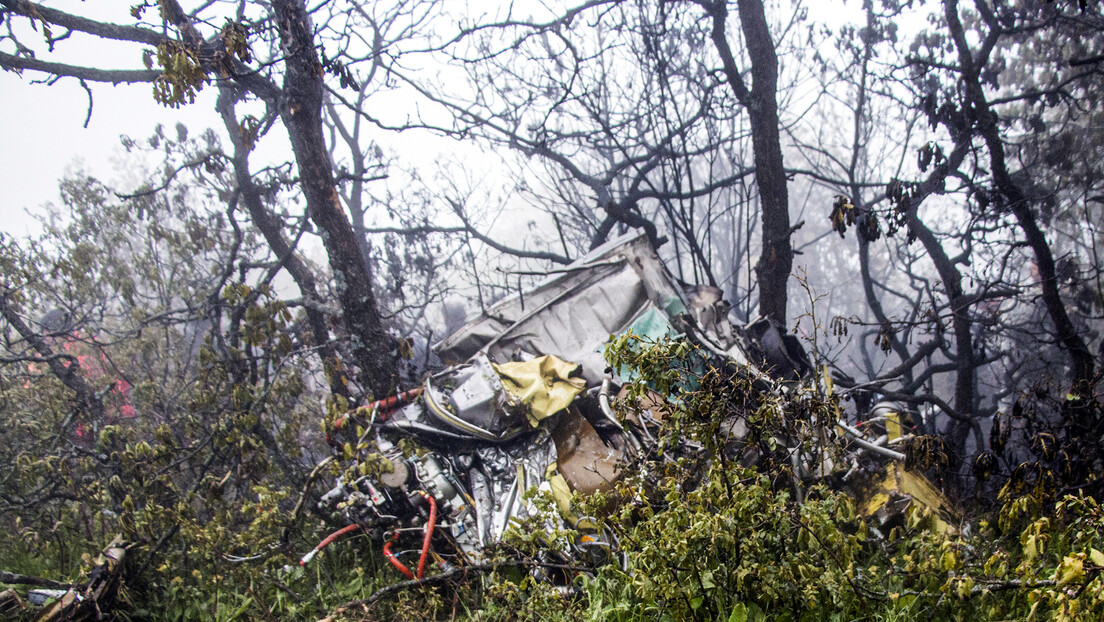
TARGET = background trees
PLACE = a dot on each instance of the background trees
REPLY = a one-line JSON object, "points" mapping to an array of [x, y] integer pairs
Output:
{"points": [[639, 115]]}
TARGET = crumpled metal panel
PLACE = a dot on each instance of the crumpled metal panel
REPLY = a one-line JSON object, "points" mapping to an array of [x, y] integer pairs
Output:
{"points": [[894, 491], [571, 315], [543, 386], [587, 464], [499, 484]]}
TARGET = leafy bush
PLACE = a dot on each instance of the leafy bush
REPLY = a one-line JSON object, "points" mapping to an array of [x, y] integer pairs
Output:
{"points": [[704, 528]]}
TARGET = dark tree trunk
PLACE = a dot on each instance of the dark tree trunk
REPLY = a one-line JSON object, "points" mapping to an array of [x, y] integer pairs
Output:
{"points": [[301, 112], [951, 277], [965, 366], [776, 259]]}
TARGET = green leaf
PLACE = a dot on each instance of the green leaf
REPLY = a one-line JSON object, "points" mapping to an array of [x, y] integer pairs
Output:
{"points": [[1070, 570], [241, 610], [1097, 557], [739, 613], [707, 580]]}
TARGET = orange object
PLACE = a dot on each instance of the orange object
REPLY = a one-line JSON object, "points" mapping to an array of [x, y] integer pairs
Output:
{"points": [[401, 567], [326, 542], [430, 525]]}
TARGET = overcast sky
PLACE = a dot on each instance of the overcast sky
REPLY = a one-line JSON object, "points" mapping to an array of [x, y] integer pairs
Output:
{"points": [[42, 136]]}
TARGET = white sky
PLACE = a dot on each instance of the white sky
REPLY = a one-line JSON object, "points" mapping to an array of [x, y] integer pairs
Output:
{"points": [[42, 136]]}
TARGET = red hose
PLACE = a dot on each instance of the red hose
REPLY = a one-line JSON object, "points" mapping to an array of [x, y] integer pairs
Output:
{"points": [[388, 404], [324, 543], [427, 540], [401, 567], [385, 406], [430, 525]]}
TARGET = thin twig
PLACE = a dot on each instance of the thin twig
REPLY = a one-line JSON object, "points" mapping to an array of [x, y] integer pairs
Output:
{"points": [[298, 511]]}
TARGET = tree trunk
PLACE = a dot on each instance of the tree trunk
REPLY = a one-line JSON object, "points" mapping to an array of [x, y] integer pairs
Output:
{"points": [[951, 277], [776, 259], [301, 112]]}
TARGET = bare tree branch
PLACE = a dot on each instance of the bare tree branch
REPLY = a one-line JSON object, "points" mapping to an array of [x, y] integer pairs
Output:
{"points": [[112, 76]]}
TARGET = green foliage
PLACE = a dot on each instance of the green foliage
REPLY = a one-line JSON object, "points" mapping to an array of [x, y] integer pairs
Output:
{"points": [[183, 75], [727, 546], [200, 437], [204, 482], [734, 545]]}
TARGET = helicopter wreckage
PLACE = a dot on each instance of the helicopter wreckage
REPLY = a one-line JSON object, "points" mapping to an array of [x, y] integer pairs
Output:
{"points": [[530, 402]]}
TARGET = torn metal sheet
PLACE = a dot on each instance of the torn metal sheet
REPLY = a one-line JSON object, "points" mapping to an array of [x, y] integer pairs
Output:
{"points": [[897, 495], [573, 313], [587, 464], [88, 602]]}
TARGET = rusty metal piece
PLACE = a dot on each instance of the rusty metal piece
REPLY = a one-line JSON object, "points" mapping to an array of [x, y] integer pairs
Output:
{"points": [[584, 460]]}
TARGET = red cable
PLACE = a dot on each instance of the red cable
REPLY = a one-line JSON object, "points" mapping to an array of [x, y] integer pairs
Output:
{"points": [[394, 560], [430, 525], [385, 406], [335, 535], [329, 539]]}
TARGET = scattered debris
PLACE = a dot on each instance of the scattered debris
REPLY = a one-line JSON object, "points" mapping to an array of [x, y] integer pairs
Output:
{"points": [[11, 605], [897, 496], [89, 601], [526, 404]]}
